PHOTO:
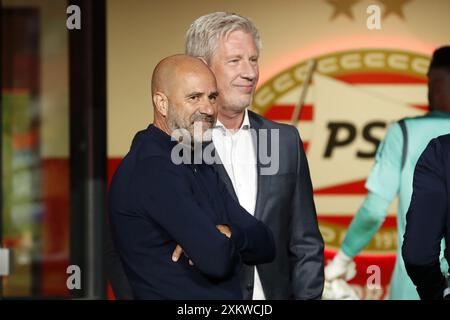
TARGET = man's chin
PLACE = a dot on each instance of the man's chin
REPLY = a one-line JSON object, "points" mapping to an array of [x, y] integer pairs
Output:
{"points": [[241, 105], [204, 137]]}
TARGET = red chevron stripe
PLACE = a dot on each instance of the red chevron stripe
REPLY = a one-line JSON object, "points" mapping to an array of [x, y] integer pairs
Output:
{"points": [[284, 112]]}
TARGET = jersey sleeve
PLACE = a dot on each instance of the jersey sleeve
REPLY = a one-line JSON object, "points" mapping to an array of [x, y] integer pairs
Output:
{"points": [[384, 179]]}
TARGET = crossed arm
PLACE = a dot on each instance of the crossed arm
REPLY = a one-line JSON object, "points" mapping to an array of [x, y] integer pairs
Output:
{"points": [[214, 249]]}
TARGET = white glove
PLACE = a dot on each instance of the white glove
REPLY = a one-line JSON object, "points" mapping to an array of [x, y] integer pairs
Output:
{"points": [[337, 272], [341, 267], [338, 289]]}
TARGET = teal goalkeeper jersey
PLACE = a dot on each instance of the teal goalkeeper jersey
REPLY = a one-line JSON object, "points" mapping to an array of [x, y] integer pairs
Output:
{"points": [[387, 180]]}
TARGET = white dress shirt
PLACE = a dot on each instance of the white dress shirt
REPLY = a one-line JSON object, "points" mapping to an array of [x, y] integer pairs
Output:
{"points": [[238, 155]]}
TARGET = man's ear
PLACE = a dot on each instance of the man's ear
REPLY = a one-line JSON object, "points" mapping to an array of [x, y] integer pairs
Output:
{"points": [[204, 60], [161, 103]]}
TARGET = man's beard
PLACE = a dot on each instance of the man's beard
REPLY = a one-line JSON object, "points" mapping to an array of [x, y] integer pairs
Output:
{"points": [[198, 134], [194, 128]]}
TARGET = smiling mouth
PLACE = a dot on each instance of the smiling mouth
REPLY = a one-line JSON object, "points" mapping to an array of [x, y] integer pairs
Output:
{"points": [[208, 122], [246, 89]]}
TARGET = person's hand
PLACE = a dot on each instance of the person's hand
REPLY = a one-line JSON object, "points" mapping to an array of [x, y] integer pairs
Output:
{"points": [[339, 289], [337, 272], [341, 267], [177, 254], [179, 250], [224, 229]]}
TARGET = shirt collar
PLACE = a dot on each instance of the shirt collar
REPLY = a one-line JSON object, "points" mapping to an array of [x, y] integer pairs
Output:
{"points": [[439, 113], [244, 126]]}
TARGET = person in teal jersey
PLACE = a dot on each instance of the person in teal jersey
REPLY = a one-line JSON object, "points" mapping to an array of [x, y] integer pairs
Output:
{"points": [[392, 176]]}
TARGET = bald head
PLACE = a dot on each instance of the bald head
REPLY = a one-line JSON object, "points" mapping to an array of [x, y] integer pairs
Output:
{"points": [[184, 92], [172, 69]]}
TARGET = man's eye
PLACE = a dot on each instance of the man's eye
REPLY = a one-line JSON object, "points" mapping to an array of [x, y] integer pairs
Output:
{"points": [[194, 98], [213, 98]]}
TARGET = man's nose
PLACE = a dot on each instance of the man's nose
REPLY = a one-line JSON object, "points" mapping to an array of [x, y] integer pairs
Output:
{"points": [[249, 70], [208, 107]]}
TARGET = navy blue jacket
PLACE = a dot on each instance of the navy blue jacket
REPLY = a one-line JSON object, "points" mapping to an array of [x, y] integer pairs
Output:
{"points": [[428, 219], [155, 204]]}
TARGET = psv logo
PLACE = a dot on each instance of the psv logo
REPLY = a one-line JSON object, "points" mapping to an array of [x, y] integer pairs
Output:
{"points": [[353, 98]]}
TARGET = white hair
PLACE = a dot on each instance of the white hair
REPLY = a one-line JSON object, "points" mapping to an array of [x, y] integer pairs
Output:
{"points": [[203, 34]]}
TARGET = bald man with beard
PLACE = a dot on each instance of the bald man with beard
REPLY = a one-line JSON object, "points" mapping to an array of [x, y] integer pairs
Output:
{"points": [[156, 205]]}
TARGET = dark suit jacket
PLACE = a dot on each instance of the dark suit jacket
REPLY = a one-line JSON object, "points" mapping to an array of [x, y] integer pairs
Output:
{"points": [[428, 219], [285, 204]]}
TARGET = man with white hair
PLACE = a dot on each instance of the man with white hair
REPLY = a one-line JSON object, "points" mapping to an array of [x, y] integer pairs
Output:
{"points": [[278, 193]]}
